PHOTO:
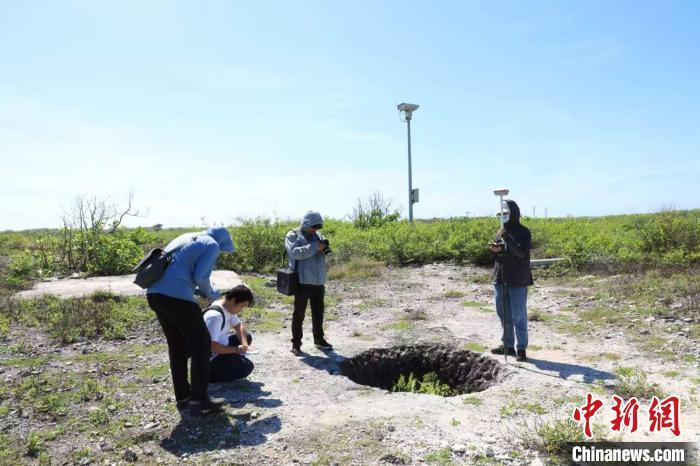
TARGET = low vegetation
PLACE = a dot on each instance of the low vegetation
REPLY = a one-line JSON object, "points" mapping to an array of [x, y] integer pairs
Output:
{"points": [[402, 325], [357, 269], [632, 382], [659, 293], [474, 346], [666, 240], [429, 384], [469, 303], [511, 408], [101, 315], [537, 315], [473, 401], [442, 457], [552, 437]]}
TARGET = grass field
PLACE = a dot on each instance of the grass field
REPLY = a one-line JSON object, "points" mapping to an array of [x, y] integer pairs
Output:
{"points": [[668, 240]]}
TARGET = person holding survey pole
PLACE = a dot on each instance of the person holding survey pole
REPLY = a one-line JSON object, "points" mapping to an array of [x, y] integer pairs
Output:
{"points": [[511, 277]]}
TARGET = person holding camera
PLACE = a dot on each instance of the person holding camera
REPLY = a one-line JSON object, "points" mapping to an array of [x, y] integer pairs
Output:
{"points": [[307, 250], [511, 277]]}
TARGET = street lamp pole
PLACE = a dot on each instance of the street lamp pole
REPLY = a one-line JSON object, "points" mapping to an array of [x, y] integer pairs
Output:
{"points": [[410, 180], [408, 110]]}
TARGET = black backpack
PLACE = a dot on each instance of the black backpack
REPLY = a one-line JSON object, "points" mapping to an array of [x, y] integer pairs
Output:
{"points": [[219, 309], [153, 266]]}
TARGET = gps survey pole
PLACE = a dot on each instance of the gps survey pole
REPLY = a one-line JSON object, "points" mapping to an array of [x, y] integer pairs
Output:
{"points": [[504, 290]]}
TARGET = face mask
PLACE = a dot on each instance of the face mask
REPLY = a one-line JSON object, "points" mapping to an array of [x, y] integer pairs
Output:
{"points": [[506, 217]]}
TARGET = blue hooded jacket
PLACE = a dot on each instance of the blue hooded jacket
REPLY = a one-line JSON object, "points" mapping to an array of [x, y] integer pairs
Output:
{"points": [[192, 264], [303, 247]]}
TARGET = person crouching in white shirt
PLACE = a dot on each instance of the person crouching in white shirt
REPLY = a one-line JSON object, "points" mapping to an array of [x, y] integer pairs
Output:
{"points": [[229, 338]]}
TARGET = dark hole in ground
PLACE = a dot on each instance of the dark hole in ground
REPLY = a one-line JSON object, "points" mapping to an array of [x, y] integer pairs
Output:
{"points": [[464, 371]]}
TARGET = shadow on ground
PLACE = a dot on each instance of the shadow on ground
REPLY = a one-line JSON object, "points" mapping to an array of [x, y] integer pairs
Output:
{"points": [[225, 429], [242, 392], [329, 362], [568, 371]]}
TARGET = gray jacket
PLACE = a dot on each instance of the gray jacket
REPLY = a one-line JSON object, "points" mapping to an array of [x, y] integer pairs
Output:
{"points": [[303, 247]]}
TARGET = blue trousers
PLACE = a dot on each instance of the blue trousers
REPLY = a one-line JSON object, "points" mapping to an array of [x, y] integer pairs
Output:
{"points": [[516, 302]]}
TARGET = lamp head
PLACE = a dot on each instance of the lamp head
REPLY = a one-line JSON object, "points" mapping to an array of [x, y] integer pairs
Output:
{"points": [[501, 192], [407, 110], [404, 107]]}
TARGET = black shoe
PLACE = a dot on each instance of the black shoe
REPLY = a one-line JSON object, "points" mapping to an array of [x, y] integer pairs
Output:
{"points": [[500, 350], [521, 355], [296, 351], [323, 344], [211, 404], [182, 403]]}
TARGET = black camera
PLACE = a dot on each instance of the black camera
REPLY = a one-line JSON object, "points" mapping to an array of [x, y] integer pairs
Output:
{"points": [[328, 246]]}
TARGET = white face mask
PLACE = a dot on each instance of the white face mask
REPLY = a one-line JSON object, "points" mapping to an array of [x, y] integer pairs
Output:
{"points": [[506, 217]]}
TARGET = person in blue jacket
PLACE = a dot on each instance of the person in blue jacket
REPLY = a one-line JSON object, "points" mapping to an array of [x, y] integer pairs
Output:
{"points": [[172, 298]]}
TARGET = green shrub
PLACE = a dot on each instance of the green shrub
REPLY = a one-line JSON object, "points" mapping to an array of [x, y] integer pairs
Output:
{"points": [[429, 384], [4, 327], [633, 383], [113, 255], [88, 252], [22, 270], [4, 318], [668, 232], [259, 246], [375, 213], [475, 347], [554, 437], [9, 451], [83, 456], [34, 260], [142, 237], [98, 417], [442, 457], [620, 243], [33, 445]]}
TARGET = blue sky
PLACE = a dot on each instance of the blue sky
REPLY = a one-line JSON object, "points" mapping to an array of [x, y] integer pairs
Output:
{"points": [[228, 109]]}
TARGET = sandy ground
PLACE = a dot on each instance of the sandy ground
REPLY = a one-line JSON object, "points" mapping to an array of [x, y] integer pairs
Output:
{"points": [[123, 285], [314, 398]]}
